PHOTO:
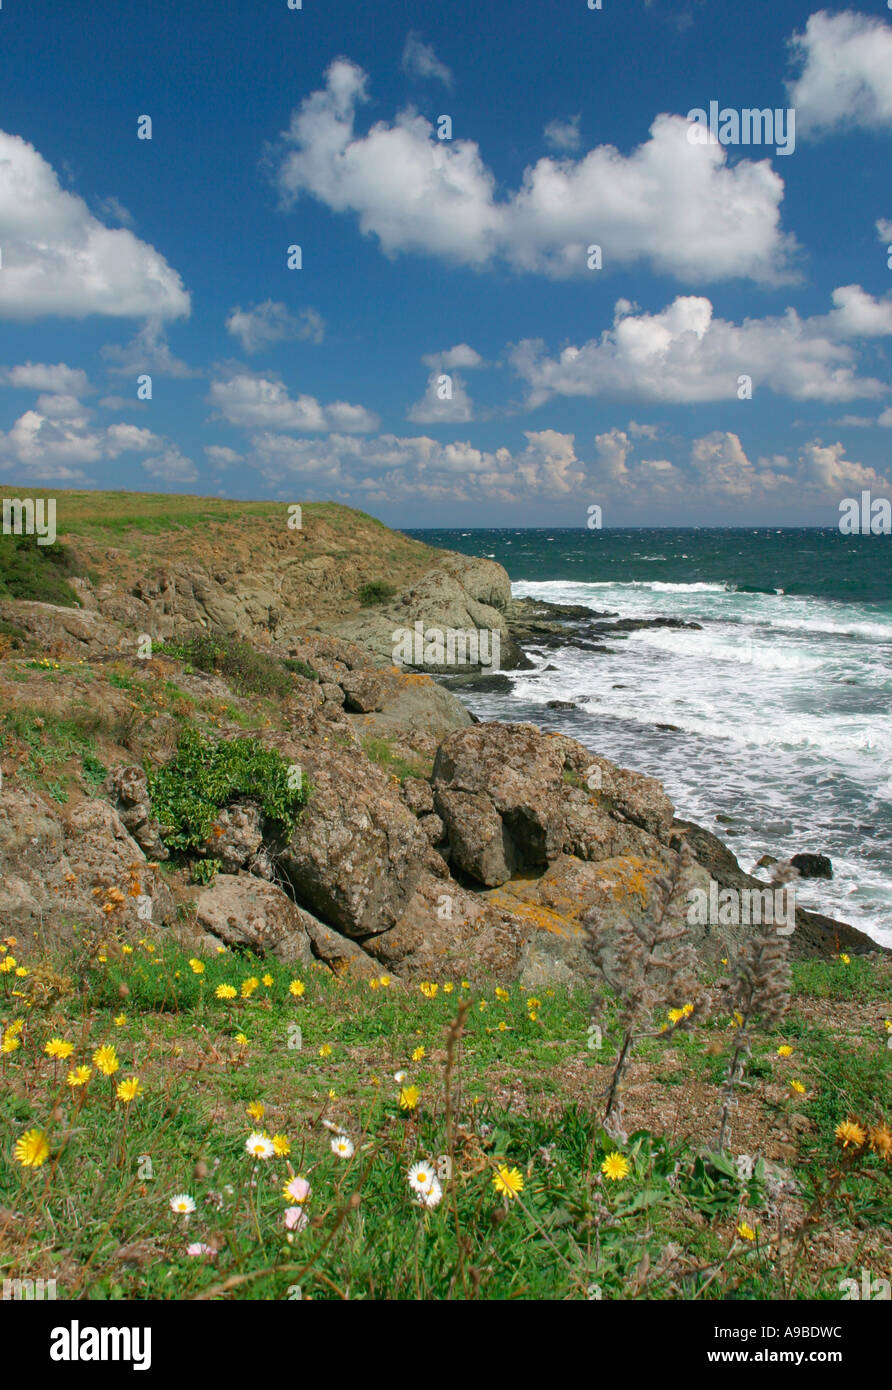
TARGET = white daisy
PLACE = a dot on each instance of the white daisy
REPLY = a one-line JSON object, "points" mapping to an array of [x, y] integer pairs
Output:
{"points": [[422, 1176], [331, 1126], [432, 1197], [259, 1145], [342, 1146], [399, 1077], [182, 1204]]}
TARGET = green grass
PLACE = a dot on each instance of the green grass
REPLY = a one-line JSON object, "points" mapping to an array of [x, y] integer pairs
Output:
{"points": [[376, 591], [248, 671], [570, 1234], [380, 751], [37, 572]]}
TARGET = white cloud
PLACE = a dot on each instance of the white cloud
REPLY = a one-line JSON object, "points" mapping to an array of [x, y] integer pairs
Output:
{"points": [[884, 228], [55, 437], [678, 206], [122, 439], [459, 356], [147, 351], [261, 401], [886, 418], [564, 135], [222, 457], [434, 409], [171, 466], [41, 376], [684, 354], [642, 431], [722, 466], [58, 259], [421, 62], [272, 322], [846, 76]]}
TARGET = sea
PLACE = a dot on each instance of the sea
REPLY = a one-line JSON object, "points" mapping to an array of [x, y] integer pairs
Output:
{"points": [[782, 738]]}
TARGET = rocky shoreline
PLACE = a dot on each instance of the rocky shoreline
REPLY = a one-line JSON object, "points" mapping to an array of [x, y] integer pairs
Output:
{"points": [[430, 842]]}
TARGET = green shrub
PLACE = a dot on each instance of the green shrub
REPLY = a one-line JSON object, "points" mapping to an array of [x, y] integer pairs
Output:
{"points": [[301, 668], [203, 776], [375, 592], [37, 572], [248, 671]]}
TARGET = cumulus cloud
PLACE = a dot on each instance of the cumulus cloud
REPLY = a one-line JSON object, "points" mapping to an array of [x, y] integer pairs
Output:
{"points": [[459, 356], [57, 436], [679, 207], [171, 466], [261, 401], [272, 322], [564, 135], [59, 259], [147, 351], [884, 228], [223, 457], [446, 401], [721, 466], [846, 73], [41, 376], [684, 354], [421, 62]]}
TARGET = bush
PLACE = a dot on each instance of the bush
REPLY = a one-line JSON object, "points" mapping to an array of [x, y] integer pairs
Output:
{"points": [[248, 671], [203, 777], [375, 592], [300, 668], [36, 572]]}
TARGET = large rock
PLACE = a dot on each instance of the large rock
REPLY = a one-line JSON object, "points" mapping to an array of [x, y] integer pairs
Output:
{"points": [[128, 790], [244, 911], [235, 836], [357, 853]]}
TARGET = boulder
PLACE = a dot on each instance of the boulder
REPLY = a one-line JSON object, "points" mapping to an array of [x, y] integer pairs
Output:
{"points": [[812, 865], [363, 691], [417, 795], [236, 837], [127, 788], [244, 911]]}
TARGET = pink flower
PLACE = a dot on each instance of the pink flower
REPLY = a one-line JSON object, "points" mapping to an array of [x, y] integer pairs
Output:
{"points": [[196, 1248], [295, 1219], [298, 1189]]}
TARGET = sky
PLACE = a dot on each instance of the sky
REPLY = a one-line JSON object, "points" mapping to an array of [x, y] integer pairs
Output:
{"points": [[450, 350]]}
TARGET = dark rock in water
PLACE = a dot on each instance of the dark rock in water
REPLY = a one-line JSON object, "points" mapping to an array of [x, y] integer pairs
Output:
{"points": [[620, 687], [669, 728], [812, 865], [493, 681], [561, 704], [723, 819], [549, 667], [639, 624], [766, 861]]}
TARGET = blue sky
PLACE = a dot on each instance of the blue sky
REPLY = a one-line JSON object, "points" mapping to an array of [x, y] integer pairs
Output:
{"points": [[458, 266]]}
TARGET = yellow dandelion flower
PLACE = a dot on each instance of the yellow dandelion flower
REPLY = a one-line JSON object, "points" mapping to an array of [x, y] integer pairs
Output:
{"points": [[241, 1040], [418, 1054], [849, 1132], [615, 1167], [58, 1047], [502, 994], [325, 1050], [532, 1016], [10, 1042], [880, 1140], [267, 980], [129, 1090], [503, 1026], [225, 992], [120, 1020], [846, 960], [508, 1182], [297, 988], [79, 1076], [332, 1093], [22, 971], [428, 989], [484, 1004], [448, 988], [533, 1003], [798, 1087], [196, 966], [128, 950], [384, 981], [32, 1149], [465, 984], [257, 1109], [282, 1145], [676, 1015], [105, 1059], [374, 984], [249, 986], [745, 1232], [7, 965], [408, 1097], [785, 1050]]}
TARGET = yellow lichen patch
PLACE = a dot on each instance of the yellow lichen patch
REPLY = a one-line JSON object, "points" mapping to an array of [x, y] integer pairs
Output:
{"points": [[533, 913]]}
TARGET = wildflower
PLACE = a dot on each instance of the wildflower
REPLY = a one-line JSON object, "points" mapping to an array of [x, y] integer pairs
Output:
{"points": [[10, 1042], [418, 1054], [241, 1040], [675, 1015], [267, 980], [615, 1167], [295, 1219], [7, 965], [532, 1016], [374, 984], [428, 990], [325, 1050], [282, 1145], [745, 1232], [399, 1077], [205, 1251], [106, 1060], [128, 951], [465, 984], [798, 1087], [332, 1093], [297, 988], [256, 1109], [342, 1146], [32, 1149], [422, 1176], [120, 1020], [503, 1027], [384, 981], [197, 966], [534, 1003], [79, 1076], [259, 1145], [297, 1190], [502, 994], [484, 1004], [129, 1090], [408, 1097], [508, 1181], [224, 992], [22, 971], [785, 1050], [249, 986], [448, 988], [182, 1204], [848, 1132], [846, 960], [432, 1197], [880, 1139]]}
